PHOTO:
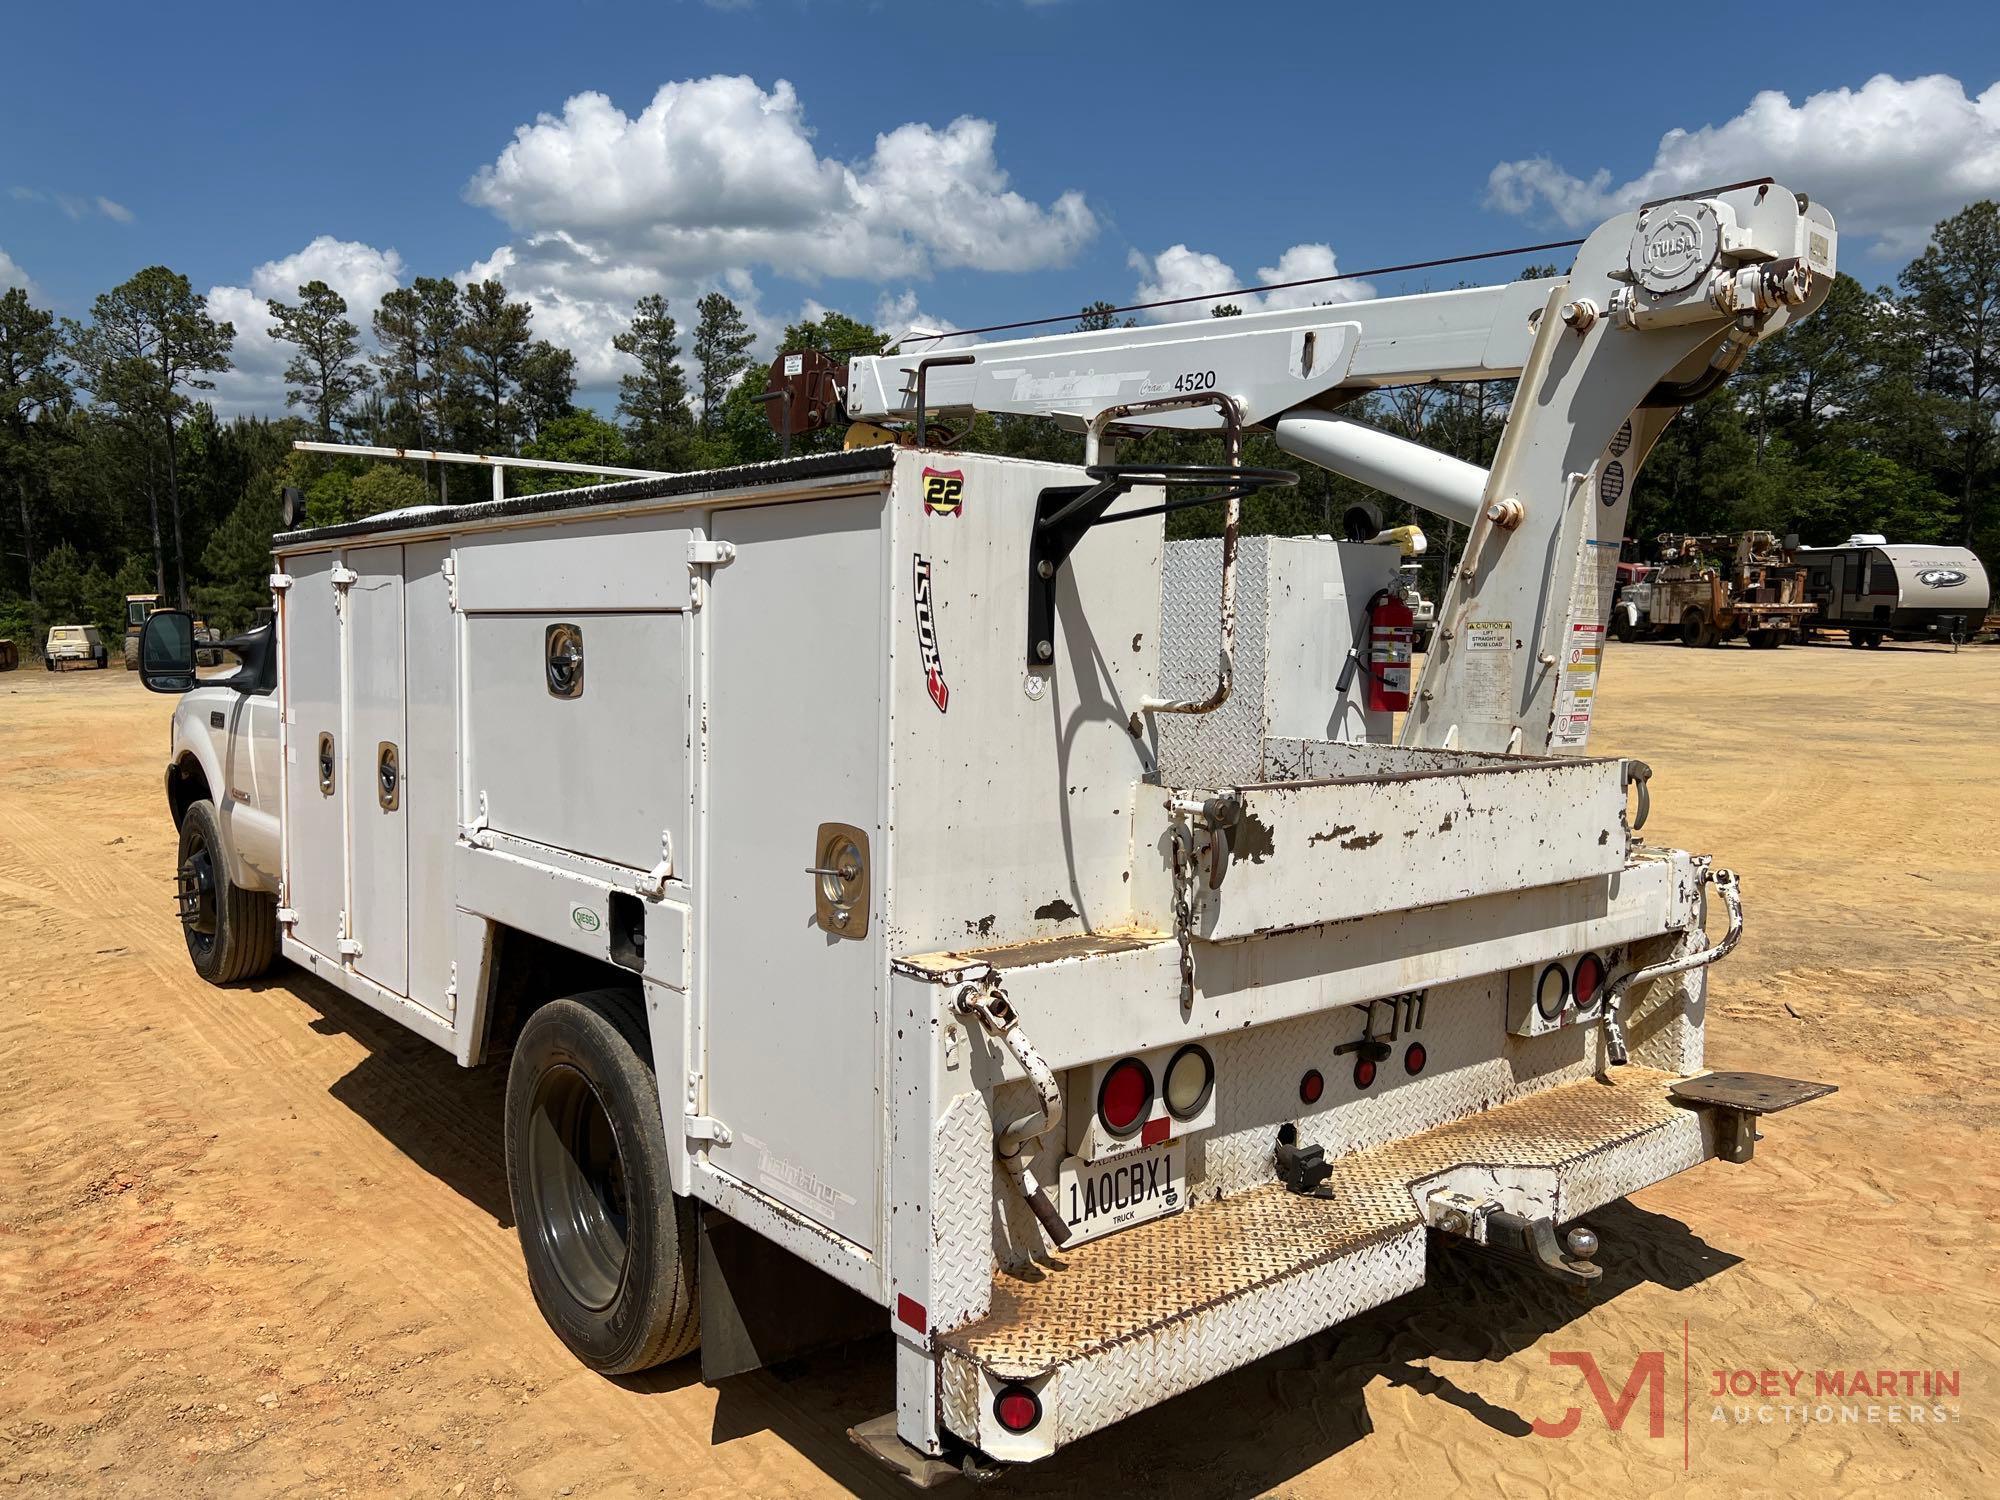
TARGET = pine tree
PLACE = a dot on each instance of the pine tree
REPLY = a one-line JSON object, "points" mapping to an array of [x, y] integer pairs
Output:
{"points": [[34, 385], [326, 374], [721, 352], [653, 398], [548, 386], [149, 340], [494, 344]]}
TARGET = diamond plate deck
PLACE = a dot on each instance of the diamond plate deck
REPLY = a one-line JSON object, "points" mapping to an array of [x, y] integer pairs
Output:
{"points": [[1225, 1271]]}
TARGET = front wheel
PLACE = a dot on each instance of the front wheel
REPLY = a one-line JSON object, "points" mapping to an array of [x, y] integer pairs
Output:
{"points": [[232, 934], [610, 1249]]}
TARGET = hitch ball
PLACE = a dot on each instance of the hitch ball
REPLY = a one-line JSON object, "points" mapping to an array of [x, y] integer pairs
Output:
{"points": [[1581, 1243]]}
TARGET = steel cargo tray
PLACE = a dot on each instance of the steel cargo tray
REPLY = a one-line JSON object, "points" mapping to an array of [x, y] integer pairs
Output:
{"points": [[1390, 830]]}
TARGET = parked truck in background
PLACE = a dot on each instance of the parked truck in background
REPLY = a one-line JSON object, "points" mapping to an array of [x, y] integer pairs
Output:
{"points": [[1709, 589], [899, 881]]}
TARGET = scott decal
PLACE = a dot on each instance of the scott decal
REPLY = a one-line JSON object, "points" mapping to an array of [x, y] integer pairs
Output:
{"points": [[1941, 578], [927, 640], [944, 491]]}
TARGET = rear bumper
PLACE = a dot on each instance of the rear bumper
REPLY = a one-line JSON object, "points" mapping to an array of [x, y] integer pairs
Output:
{"points": [[1125, 1322]]}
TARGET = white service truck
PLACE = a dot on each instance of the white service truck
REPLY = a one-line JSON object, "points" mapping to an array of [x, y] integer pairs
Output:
{"points": [[900, 879]]}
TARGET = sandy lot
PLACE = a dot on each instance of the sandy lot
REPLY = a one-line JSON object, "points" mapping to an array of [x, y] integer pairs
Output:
{"points": [[257, 1241]]}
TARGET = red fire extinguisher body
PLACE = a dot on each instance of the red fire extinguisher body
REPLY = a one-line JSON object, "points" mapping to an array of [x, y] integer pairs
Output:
{"points": [[1392, 629]]}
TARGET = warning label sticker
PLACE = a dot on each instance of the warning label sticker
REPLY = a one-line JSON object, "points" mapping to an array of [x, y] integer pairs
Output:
{"points": [[1489, 671], [1591, 590]]}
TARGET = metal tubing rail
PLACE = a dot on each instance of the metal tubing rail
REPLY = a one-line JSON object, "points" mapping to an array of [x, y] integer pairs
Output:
{"points": [[498, 462]]}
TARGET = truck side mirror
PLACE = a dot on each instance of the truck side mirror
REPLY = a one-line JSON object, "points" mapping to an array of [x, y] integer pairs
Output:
{"points": [[166, 651]]}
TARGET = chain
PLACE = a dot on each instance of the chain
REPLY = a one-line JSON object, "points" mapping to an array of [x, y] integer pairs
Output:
{"points": [[1182, 841]]}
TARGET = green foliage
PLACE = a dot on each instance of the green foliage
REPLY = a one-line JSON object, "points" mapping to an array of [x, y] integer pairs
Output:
{"points": [[582, 437], [548, 386], [238, 562], [721, 352], [326, 374], [654, 397], [493, 347]]}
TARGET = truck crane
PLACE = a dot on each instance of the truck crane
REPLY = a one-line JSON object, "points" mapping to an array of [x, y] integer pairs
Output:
{"points": [[908, 891]]}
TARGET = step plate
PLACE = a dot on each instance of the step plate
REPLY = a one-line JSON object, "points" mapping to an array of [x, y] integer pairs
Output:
{"points": [[1752, 1093], [1127, 1321]]}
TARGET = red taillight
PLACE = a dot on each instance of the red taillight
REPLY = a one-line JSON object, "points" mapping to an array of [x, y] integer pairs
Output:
{"points": [[1017, 1408], [1589, 979], [1364, 1072], [1125, 1096], [1414, 1059], [1311, 1087]]}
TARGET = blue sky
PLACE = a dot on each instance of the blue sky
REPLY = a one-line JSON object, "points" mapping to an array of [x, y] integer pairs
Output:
{"points": [[806, 152]]}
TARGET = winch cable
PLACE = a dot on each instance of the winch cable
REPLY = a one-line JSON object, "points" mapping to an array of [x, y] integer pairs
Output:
{"points": [[1252, 291]]}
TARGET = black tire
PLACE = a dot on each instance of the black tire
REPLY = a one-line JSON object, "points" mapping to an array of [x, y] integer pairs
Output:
{"points": [[232, 934], [49, 662], [1763, 640], [1875, 638], [1695, 629], [1623, 628], [131, 653], [610, 1250]]}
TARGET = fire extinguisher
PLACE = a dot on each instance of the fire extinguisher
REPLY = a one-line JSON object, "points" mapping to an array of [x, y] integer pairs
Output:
{"points": [[1392, 629]]}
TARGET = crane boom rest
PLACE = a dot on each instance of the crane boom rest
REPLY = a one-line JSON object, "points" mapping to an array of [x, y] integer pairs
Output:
{"points": [[1660, 306]]}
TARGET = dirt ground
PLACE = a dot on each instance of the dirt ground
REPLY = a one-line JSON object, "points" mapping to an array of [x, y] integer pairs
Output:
{"points": [[257, 1242]]}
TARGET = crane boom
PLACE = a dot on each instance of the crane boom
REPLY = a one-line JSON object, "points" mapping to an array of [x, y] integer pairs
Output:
{"points": [[1661, 305]]}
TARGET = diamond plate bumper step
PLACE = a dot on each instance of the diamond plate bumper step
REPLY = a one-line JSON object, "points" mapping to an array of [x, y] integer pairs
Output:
{"points": [[1122, 1323]]}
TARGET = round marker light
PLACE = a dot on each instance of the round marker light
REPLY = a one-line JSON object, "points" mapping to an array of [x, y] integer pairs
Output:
{"points": [[1552, 991], [1364, 1072], [1125, 1097], [1190, 1080], [1311, 1087], [1017, 1408], [1414, 1058], [1589, 980]]}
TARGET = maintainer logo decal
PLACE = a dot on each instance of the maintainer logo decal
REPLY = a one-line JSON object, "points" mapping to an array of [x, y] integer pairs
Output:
{"points": [[927, 641]]}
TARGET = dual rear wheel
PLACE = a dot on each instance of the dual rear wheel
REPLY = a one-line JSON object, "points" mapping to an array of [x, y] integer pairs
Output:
{"points": [[610, 1249]]}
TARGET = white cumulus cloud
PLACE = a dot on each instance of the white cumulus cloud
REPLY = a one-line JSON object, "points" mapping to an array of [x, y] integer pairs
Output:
{"points": [[718, 172], [360, 273], [1180, 272], [717, 178], [11, 275], [1889, 159]]}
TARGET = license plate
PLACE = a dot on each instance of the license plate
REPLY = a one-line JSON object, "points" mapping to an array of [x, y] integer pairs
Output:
{"points": [[1097, 1197]]}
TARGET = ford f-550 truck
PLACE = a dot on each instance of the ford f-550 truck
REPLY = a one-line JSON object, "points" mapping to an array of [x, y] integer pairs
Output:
{"points": [[900, 878]]}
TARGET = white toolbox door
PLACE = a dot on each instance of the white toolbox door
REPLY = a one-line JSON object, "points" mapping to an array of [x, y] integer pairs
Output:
{"points": [[315, 869], [792, 1014], [378, 880]]}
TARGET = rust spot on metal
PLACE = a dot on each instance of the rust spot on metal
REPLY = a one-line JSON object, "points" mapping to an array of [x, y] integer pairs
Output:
{"points": [[1057, 910], [1333, 833], [983, 927], [1254, 840], [1449, 819], [1364, 841]]}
